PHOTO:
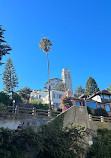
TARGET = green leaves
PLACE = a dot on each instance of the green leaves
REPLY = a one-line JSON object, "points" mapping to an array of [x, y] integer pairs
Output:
{"points": [[45, 44], [66, 103], [59, 143], [25, 93], [79, 91], [91, 86], [13, 144], [55, 84], [4, 48], [4, 98], [102, 145], [100, 112], [52, 141], [109, 88], [10, 79]]}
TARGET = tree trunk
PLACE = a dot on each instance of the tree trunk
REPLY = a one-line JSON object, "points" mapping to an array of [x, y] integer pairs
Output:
{"points": [[49, 87]]}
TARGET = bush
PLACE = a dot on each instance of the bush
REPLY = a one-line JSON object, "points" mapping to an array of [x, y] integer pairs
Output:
{"points": [[38, 104], [60, 110], [16, 97], [52, 141], [13, 144], [36, 101], [5, 98], [42, 106], [100, 112], [101, 147], [89, 110], [3, 107], [59, 142], [66, 103]]}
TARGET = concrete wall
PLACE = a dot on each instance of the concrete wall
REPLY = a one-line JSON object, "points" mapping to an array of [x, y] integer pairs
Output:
{"points": [[79, 116]]}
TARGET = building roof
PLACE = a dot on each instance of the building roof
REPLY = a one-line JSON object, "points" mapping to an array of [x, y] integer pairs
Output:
{"points": [[83, 96], [105, 92], [77, 99]]}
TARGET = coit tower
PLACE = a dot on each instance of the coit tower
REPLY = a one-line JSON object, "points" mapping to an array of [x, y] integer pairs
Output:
{"points": [[66, 79]]}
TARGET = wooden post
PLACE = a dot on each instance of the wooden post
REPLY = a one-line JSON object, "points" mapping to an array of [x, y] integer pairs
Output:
{"points": [[16, 110], [102, 118], [90, 118], [33, 111]]}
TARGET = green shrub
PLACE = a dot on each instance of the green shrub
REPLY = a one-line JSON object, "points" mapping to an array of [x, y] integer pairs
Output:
{"points": [[100, 112], [36, 101], [3, 107], [59, 143], [50, 142], [14, 144], [5, 98], [89, 110], [101, 147], [38, 104]]}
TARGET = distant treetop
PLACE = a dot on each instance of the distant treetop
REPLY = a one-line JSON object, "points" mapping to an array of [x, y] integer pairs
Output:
{"points": [[4, 47], [91, 86], [45, 44]]}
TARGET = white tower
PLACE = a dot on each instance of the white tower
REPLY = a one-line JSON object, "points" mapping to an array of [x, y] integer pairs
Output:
{"points": [[66, 79]]}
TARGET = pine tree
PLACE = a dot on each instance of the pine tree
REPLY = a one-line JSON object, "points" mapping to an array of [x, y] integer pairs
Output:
{"points": [[91, 86], [4, 48], [10, 79]]}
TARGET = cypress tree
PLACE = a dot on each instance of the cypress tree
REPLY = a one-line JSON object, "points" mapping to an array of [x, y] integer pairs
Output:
{"points": [[10, 79], [91, 86], [4, 47]]}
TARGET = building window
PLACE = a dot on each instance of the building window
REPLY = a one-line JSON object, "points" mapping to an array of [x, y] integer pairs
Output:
{"points": [[107, 107], [91, 104], [78, 103], [36, 97], [68, 75], [53, 95], [60, 96], [106, 97], [56, 105], [39, 96], [98, 106]]}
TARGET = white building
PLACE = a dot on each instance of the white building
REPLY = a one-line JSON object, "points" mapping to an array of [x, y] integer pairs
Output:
{"points": [[38, 94], [55, 97], [101, 96], [66, 78]]}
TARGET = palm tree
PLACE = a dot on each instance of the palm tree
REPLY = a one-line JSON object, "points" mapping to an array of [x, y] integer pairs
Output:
{"points": [[45, 44]]}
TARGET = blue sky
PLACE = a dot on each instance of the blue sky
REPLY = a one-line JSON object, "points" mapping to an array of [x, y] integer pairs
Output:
{"points": [[80, 31]]}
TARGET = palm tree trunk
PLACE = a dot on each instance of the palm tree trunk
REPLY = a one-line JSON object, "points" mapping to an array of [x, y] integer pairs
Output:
{"points": [[49, 86]]}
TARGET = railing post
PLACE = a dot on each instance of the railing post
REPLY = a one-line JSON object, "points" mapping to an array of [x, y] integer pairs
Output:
{"points": [[33, 111], [90, 117], [16, 110], [48, 113], [102, 118]]}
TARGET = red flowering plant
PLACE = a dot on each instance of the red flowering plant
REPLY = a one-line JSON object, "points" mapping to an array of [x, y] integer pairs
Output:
{"points": [[65, 103]]}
